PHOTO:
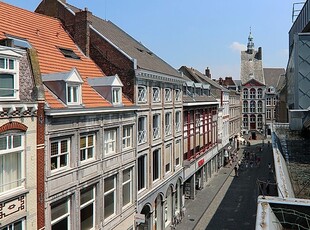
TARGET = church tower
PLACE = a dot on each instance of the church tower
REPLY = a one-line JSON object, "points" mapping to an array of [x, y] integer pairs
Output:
{"points": [[252, 91]]}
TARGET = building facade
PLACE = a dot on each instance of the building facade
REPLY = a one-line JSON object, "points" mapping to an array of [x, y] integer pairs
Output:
{"points": [[298, 80], [86, 173], [20, 117], [156, 88], [252, 91]]}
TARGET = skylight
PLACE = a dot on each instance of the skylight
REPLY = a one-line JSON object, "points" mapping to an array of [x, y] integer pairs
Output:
{"points": [[69, 53]]}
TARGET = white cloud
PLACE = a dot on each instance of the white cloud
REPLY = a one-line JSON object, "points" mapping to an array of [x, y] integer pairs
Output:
{"points": [[237, 47]]}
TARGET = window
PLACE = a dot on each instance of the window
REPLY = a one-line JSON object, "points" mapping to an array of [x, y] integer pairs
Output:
{"points": [[109, 196], [245, 122], [127, 186], [11, 162], [168, 95], [156, 94], [245, 93], [142, 96], [110, 141], [18, 225], [178, 95], [252, 106], [73, 94], [116, 96], [177, 121], [177, 152], [274, 101], [142, 174], [259, 121], [87, 208], [259, 93], [87, 147], [156, 164], [259, 106], [142, 130], [268, 101], [60, 154], [245, 106], [156, 126], [60, 214], [9, 82], [127, 137], [268, 114], [168, 158], [168, 123], [69, 53], [252, 93]]}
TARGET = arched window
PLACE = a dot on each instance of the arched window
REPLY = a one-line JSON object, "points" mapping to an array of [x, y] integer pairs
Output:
{"points": [[252, 106], [259, 93], [252, 93], [259, 106], [245, 106], [245, 93], [245, 121]]}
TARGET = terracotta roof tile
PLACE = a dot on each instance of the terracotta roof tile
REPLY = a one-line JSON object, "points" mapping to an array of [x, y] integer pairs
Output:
{"points": [[46, 35]]}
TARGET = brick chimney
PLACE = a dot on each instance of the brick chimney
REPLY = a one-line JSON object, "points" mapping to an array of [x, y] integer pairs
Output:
{"points": [[207, 72], [82, 30], [221, 81]]}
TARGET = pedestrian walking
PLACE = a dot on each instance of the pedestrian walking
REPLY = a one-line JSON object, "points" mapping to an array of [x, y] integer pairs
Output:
{"points": [[236, 170]]}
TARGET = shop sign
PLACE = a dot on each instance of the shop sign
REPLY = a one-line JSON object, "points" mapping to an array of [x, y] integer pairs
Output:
{"points": [[139, 218], [200, 162]]}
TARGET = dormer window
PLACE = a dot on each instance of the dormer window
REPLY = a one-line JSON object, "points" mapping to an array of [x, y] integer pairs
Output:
{"points": [[66, 85], [116, 96], [73, 94], [9, 75]]}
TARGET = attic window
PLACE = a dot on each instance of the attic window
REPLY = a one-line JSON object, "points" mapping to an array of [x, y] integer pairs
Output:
{"points": [[69, 53], [15, 42], [141, 50], [150, 53]]}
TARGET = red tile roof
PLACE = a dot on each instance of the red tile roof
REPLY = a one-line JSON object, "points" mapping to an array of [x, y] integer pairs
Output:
{"points": [[46, 34]]}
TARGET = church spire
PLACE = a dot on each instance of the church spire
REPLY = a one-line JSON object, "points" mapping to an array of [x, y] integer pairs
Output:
{"points": [[250, 43]]}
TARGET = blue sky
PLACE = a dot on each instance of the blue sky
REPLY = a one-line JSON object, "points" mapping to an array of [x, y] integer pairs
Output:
{"points": [[199, 33]]}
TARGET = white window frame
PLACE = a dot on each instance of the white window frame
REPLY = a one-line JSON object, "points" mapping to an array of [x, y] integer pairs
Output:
{"points": [[259, 106], [245, 93], [178, 95], [178, 121], [168, 123], [142, 94], [156, 94], [252, 93], [6, 154], [60, 154], [116, 95], [168, 96], [158, 164], [142, 174], [112, 190], [66, 215], [73, 94], [268, 114], [268, 101], [14, 72], [156, 129], [259, 93], [87, 147], [127, 137], [110, 141], [252, 106], [129, 181], [142, 134], [245, 106], [87, 203]]}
